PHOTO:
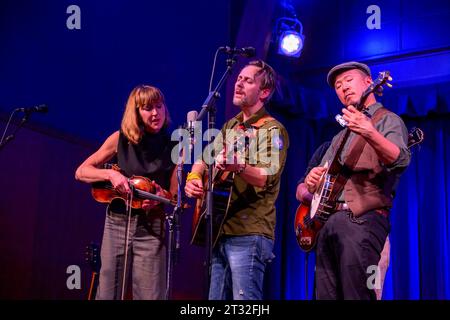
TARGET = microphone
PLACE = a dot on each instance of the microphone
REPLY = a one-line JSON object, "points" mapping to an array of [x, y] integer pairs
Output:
{"points": [[41, 108], [191, 118], [245, 52]]}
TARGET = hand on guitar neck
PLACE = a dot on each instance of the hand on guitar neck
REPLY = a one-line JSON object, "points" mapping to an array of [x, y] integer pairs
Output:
{"points": [[357, 121]]}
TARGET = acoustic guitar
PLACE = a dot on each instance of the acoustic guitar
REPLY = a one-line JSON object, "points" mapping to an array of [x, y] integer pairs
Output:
{"points": [[222, 188], [221, 192]]}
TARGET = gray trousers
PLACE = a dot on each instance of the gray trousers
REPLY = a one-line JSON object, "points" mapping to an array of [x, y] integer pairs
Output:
{"points": [[146, 257], [347, 256]]}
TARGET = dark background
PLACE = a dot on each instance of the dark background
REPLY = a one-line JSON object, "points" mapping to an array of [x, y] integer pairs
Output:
{"points": [[84, 76]]}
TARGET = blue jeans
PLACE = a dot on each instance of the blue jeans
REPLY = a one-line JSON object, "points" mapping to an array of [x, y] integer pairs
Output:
{"points": [[238, 266], [146, 257]]}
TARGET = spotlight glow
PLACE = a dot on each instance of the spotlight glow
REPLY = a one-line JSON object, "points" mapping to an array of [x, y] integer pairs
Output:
{"points": [[290, 38], [291, 44]]}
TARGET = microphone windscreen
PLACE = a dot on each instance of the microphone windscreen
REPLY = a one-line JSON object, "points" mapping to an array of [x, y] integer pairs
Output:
{"points": [[249, 52], [192, 116], [42, 108]]}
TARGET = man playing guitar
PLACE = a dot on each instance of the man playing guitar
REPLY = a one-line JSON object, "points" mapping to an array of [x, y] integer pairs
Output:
{"points": [[352, 238], [245, 242]]}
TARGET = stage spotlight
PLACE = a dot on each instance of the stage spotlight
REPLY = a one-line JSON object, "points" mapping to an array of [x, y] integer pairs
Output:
{"points": [[290, 37]]}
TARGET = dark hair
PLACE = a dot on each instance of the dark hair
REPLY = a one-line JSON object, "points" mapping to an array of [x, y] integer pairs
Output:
{"points": [[269, 76]]}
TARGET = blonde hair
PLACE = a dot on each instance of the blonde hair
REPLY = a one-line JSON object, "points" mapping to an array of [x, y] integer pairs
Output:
{"points": [[141, 96]]}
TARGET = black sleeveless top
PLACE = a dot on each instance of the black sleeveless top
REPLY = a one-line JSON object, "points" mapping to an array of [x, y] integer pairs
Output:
{"points": [[150, 158]]}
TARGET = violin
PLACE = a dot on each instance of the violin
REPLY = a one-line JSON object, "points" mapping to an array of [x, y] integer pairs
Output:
{"points": [[142, 188]]}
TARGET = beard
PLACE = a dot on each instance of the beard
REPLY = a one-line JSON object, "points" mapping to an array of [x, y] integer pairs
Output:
{"points": [[239, 102], [244, 101]]}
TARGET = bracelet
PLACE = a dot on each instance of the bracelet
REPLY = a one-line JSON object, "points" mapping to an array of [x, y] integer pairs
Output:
{"points": [[193, 176]]}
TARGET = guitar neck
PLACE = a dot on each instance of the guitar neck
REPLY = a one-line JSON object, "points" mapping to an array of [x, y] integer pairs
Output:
{"points": [[334, 165], [375, 87]]}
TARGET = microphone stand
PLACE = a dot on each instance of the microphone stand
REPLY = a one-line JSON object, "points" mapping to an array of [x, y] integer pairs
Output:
{"points": [[174, 226], [11, 136], [209, 107], [172, 219]]}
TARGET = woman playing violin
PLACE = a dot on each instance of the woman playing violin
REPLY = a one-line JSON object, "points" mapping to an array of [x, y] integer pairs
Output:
{"points": [[142, 147]]}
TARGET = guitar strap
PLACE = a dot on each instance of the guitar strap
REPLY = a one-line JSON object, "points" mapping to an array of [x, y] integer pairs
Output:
{"points": [[257, 124], [356, 150], [262, 121]]}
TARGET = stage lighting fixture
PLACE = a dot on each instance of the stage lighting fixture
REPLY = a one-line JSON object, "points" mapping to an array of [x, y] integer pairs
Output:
{"points": [[290, 37]]}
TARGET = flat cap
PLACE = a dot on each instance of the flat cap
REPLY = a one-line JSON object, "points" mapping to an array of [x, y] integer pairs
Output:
{"points": [[335, 71]]}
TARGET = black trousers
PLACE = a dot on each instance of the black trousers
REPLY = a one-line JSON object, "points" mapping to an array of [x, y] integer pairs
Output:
{"points": [[347, 256]]}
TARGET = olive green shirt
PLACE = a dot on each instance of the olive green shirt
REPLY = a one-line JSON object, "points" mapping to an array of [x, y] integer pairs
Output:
{"points": [[252, 209]]}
